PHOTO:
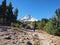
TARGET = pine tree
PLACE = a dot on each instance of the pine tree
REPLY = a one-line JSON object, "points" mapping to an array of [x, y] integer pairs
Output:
{"points": [[10, 13], [58, 13], [15, 14], [3, 11], [3, 7], [0, 9], [6, 13]]}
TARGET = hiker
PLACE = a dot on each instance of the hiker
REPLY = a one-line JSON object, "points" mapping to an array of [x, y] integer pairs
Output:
{"points": [[33, 27]]}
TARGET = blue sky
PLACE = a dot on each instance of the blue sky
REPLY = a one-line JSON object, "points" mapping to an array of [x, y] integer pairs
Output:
{"points": [[36, 8]]}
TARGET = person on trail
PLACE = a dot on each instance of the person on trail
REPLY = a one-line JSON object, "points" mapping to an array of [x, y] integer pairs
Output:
{"points": [[33, 27]]}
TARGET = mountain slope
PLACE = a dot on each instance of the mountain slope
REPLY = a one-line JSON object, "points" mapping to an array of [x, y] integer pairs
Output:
{"points": [[28, 18]]}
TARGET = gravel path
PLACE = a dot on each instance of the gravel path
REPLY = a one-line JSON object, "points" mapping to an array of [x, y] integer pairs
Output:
{"points": [[15, 36]]}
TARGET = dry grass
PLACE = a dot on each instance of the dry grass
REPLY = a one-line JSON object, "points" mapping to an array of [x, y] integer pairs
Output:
{"points": [[37, 43], [35, 37]]}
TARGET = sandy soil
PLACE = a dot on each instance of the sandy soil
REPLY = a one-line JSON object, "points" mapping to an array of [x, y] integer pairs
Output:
{"points": [[15, 36]]}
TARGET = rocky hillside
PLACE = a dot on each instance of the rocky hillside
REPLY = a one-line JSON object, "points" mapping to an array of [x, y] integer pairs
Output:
{"points": [[14, 36]]}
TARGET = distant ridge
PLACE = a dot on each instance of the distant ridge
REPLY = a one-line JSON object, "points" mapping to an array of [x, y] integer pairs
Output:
{"points": [[28, 18]]}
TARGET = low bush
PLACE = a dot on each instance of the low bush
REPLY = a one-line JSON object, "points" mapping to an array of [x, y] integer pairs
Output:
{"points": [[53, 27]]}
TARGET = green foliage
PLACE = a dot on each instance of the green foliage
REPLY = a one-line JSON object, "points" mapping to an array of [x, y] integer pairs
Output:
{"points": [[3, 10], [21, 26], [52, 27], [15, 14], [35, 24], [42, 23], [10, 13], [3, 7], [58, 28], [17, 24], [6, 12], [58, 13], [38, 25]]}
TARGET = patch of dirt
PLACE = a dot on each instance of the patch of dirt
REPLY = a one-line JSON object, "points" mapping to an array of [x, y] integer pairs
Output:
{"points": [[14, 36]]}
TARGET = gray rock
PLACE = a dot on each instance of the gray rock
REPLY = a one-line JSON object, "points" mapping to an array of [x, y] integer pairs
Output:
{"points": [[8, 37], [29, 43]]}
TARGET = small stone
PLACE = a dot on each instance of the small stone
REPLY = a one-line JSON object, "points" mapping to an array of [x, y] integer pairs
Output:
{"points": [[28, 38], [8, 37], [29, 43]]}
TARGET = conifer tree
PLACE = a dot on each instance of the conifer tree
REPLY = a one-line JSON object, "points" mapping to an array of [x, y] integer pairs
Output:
{"points": [[10, 13], [3, 11], [3, 7], [58, 13], [15, 14]]}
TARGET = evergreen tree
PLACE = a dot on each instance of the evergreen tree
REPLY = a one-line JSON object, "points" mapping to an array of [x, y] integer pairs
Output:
{"points": [[58, 13], [15, 14], [3, 11], [3, 7], [10, 13], [0, 7], [6, 12]]}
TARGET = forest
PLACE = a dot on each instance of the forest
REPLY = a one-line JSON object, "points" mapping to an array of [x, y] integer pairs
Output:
{"points": [[7, 15]]}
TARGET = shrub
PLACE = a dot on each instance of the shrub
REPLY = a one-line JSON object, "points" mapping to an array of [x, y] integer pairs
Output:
{"points": [[49, 28], [42, 23], [17, 25], [52, 27]]}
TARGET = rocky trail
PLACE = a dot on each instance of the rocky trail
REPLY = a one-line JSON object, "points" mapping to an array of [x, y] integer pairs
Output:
{"points": [[15, 36]]}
